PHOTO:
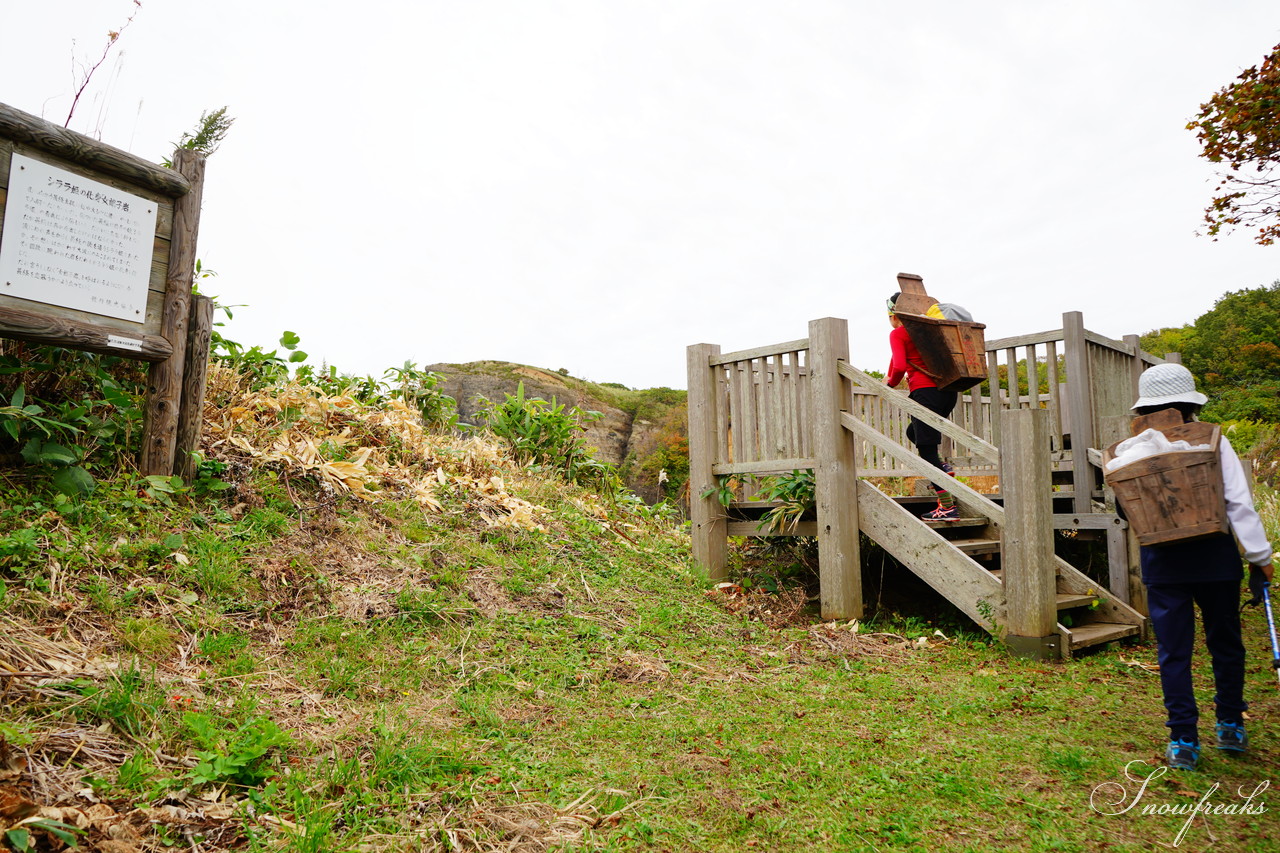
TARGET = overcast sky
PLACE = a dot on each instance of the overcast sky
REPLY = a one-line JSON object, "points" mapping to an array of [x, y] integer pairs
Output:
{"points": [[595, 184]]}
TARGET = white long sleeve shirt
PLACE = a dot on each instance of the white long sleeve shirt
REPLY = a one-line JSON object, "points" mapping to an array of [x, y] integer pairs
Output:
{"points": [[1244, 519]]}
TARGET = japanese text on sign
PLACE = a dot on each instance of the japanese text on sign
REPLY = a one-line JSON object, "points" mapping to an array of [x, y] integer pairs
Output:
{"points": [[75, 243]]}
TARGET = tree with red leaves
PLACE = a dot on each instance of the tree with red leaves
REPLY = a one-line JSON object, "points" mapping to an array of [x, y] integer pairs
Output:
{"points": [[1240, 126]]}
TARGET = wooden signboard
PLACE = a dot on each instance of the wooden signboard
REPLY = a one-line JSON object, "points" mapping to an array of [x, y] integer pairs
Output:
{"points": [[97, 252]]}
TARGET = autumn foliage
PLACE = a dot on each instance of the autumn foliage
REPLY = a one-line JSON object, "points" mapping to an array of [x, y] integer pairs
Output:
{"points": [[1240, 126]]}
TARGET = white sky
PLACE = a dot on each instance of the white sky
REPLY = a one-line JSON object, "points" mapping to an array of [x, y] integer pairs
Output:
{"points": [[595, 184]]}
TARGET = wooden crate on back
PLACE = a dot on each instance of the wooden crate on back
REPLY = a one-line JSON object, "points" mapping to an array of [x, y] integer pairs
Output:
{"points": [[954, 352], [1175, 496]]}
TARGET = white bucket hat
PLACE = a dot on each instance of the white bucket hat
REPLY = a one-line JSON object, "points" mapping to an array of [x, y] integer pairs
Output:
{"points": [[1167, 383]]}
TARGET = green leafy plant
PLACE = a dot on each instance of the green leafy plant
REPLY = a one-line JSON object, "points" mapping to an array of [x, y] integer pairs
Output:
{"points": [[794, 491], [239, 756], [550, 434], [421, 389], [21, 839], [725, 491]]}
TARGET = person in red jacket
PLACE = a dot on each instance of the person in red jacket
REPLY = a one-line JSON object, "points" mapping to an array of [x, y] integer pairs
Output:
{"points": [[906, 362]]}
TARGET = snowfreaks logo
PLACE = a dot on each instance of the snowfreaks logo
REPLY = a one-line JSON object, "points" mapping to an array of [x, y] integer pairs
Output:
{"points": [[1112, 798]]}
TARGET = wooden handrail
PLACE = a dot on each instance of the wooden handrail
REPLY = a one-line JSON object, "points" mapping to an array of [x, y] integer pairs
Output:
{"points": [[763, 466], [990, 508], [760, 352], [1025, 340], [970, 442]]}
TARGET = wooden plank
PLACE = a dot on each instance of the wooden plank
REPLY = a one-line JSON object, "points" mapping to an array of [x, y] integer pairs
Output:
{"points": [[993, 384], [164, 382], [1033, 377], [805, 401], [1080, 406], [1109, 609], [1136, 365], [764, 425], [792, 402], [754, 528], [973, 547], [90, 153], [937, 561], [721, 391], [1088, 521], [763, 466], [707, 516], [835, 474], [1096, 633], [1118, 562], [1055, 393], [148, 324], [748, 436], [194, 380], [1107, 343], [971, 443], [759, 352], [1067, 600], [975, 424], [1024, 340], [163, 203], [777, 425], [43, 328], [736, 414], [1011, 366], [1028, 549], [970, 500]]}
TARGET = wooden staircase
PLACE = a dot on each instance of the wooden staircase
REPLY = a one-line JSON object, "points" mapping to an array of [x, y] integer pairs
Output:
{"points": [[961, 560]]}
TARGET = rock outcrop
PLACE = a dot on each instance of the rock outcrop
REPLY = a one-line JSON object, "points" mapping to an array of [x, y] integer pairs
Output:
{"points": [[618, 436]]}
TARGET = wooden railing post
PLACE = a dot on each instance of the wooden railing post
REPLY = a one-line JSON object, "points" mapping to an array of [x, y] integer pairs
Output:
{"points": [[195, 378], [164, 381], [1029, 572], [1080, 405], [709, 522], [835, 472], [1137, 365]]}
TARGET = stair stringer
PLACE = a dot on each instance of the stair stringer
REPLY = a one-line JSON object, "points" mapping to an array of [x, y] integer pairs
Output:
{"points": [[955, 575], [1071, 579]]}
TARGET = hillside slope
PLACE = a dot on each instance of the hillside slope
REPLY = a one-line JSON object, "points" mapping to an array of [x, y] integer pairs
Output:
{"points": [[384, 638], [640, 431]]}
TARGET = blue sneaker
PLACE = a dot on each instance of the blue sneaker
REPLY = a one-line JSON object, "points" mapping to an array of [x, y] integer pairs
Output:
{"points": [[1182, 755], [1232, 737]]}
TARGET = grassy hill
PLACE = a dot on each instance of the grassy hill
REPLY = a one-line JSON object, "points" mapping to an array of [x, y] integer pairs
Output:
{"points": [[355, 633]]}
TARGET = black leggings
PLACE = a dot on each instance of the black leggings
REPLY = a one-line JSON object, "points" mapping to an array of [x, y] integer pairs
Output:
{"points": [[924, 437]]}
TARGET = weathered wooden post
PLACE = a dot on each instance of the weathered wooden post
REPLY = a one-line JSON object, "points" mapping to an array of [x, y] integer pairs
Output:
{"points": [[1029, 570], [164, 382], [709, 522], [1080, 407], [195, 376], [835, 472]]}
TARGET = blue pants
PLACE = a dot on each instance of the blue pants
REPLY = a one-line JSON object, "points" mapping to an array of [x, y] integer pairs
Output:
{"points": [[1173, 619]]}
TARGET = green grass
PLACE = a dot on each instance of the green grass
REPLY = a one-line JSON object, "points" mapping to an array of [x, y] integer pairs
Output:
{"points": [[384, 679]]}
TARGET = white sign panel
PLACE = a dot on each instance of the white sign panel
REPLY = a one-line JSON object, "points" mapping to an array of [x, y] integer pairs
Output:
{"points": [[75, 243]]}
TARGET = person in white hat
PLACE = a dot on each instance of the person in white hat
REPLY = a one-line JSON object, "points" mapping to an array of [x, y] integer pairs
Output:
{"points": [[1204, 572]]}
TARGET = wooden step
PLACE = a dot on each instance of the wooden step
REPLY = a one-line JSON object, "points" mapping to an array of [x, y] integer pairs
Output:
{"points": [[974, 547], [1097, 633], [958, 524], [1067, 600]]}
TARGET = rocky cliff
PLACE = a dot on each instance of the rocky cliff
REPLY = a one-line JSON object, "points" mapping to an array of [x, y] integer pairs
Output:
{"points": [[626, 435]]}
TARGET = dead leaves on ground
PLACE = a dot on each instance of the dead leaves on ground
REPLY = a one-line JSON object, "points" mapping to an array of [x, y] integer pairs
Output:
{"points": [[371, 452]]}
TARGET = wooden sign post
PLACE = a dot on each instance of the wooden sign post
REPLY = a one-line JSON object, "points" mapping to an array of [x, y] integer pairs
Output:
{"points": [[97, 253]]}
